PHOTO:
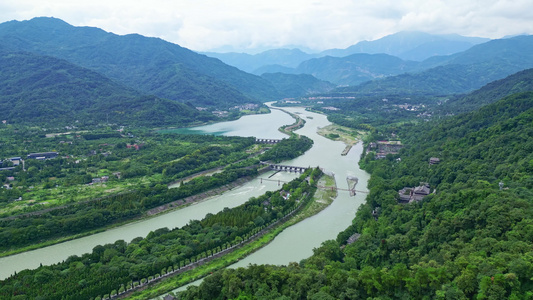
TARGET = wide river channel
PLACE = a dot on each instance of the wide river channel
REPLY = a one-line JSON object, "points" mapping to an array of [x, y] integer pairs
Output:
{"points": [[294, 244]]}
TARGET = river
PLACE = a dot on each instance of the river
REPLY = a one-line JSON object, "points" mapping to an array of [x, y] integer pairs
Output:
{"points": [[245, 126], [293, 244], [297, 242]]}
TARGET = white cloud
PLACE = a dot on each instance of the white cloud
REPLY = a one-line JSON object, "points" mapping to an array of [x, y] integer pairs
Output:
{"points": [[320, 24]]}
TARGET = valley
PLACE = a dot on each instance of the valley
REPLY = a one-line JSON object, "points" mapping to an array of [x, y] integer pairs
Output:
{"points": [[82, 244], [397, 168]]}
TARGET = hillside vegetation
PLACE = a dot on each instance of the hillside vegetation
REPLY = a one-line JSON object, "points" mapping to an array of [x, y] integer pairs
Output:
{"points": [[470, 239], [292, 85], [45, 90], [149, 65], [516, 83], [459, 73]]}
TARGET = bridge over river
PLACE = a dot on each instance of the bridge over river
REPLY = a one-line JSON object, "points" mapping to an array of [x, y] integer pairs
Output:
{"points": [[267, 141], [285, 167], [352, 191]]}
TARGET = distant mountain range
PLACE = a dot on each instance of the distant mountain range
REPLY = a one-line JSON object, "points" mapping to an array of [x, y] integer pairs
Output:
{"points": [[405, 62], [253, 63], [411, 45], [407, 45], [296, 85], [131, 66], [356, 68], [53, 71], [458, 73]]}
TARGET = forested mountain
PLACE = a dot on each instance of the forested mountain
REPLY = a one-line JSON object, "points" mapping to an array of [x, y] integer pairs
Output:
{"points": [[354, 69], [371, 74], [45, 90], [150, 65], [459, 73], [471, 239], [516, 83], [291, 85], [273, 69]]}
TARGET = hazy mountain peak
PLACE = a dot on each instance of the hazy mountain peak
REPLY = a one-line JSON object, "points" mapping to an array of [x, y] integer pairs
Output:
{"points": [[411, 45]]}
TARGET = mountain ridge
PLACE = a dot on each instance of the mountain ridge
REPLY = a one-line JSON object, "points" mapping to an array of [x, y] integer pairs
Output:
{"points": [[45, 90], [458, 73], [412, 45], [132, 59]]}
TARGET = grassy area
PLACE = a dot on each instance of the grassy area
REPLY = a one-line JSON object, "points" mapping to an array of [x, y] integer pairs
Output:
{"points": [[340, 133], [321, 200]]}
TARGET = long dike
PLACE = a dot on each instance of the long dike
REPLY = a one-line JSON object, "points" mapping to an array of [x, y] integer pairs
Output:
{"points": [[144, 283], [202, 196]]}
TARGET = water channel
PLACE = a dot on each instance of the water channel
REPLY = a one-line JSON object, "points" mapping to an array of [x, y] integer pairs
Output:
{"points": [[293, 244], [59, 252], [297, 242]]}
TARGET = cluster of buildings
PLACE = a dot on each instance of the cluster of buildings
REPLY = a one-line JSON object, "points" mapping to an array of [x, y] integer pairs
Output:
{"points": [[17, 160], [382, 148], [329, 98], [220, 113], [415, 194], [411, 107], [134, 146], [248, 106], [43, 155], [224, 113], [104, 179]]}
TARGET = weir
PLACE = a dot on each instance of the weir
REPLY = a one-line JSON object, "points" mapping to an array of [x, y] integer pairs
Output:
{"points": [[267, 141], [286, 168]]}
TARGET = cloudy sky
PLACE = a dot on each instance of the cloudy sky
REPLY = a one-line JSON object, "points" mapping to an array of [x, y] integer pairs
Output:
{"points": [[250, 26]]}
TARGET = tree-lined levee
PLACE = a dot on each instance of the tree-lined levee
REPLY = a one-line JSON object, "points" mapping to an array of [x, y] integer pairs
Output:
{"points": [[112, 268]]}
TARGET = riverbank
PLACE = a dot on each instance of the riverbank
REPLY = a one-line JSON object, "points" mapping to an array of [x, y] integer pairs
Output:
{"points": [[202, 196], [322, 199], [167, 208], [261, 111]]}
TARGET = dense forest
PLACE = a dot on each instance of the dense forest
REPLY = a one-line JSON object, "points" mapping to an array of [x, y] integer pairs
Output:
{"points": [[471, 238], [42, 90]]}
